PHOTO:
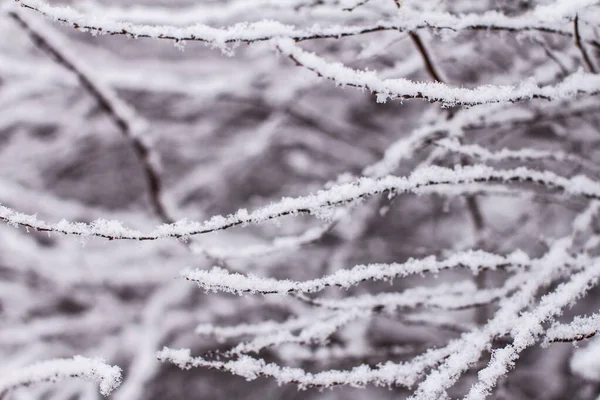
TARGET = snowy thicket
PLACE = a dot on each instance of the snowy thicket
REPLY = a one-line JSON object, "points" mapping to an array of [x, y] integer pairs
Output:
{"points": [[392, 197]]}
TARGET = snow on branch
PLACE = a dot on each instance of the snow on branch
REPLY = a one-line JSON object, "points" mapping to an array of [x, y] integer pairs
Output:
{"points": [[223, 333], [278, 244], [316, 332], [218, 279], [468, 349], [528, 327], [488, 116], [400, 88], [315, 204], [544, 19], [450, 297], [523, 154], [386, 374], [579, 329], [106, 376], [320, 325]]}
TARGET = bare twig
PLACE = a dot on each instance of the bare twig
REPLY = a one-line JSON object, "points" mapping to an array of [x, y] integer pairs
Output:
{"points": [[553, 57], [431, 69], [586, 58]]}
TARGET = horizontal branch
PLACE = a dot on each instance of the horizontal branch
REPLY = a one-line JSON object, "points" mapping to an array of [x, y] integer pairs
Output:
{"points": [[579, 329], [389, 373], [386, 374], [522, 154], [406, 21], [223, 333], [317, 328], [400, 88], [315, 204], [316, 332], [278, 244], [450, 297], [326, 355], [219, 279], [504, 154], [491, 116], [108, 377]]}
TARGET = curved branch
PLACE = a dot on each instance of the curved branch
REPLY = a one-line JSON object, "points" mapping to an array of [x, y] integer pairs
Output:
{"points": [[579, 329], [387, 374], [220, 280], [384, 89], [315, 204]]}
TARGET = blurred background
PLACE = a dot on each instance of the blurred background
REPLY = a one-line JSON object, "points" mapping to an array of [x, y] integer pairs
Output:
{"points": [[242, 130]]}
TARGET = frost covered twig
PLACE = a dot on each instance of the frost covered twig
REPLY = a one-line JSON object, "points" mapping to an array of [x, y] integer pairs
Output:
{"points": [[221, 280], [386, 374], [108, 377], [384, 89], [315, 204], [539, 20], [523, 154], [468, 349], [491, 116], [528, 327], [579, 329]]}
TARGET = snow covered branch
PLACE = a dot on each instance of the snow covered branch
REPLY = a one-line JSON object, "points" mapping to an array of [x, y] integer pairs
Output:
{"points": [[384, 89], [579, 329], [221, 280], [106, 376], [450, 271], [315, 204], [528, 328], [539, 20], [387, 374]]}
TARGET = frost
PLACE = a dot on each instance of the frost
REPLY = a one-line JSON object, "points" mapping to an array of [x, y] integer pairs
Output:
{"points": [[218, 279], [107, 377], [364, 244]]}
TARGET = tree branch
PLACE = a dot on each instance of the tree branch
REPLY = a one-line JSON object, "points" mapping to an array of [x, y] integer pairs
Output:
{"points": [[584, 53]]}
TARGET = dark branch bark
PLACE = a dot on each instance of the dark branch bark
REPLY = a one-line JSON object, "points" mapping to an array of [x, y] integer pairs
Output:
{"points": [[586, 57]]}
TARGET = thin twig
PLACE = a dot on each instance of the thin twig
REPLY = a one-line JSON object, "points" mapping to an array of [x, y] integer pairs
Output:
{"points": [[431, 69], [553, 57], [584, 53]]}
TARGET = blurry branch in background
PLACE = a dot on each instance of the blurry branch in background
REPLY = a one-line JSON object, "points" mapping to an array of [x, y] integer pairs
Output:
{"points": [[586, 58], [130, 124]]}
